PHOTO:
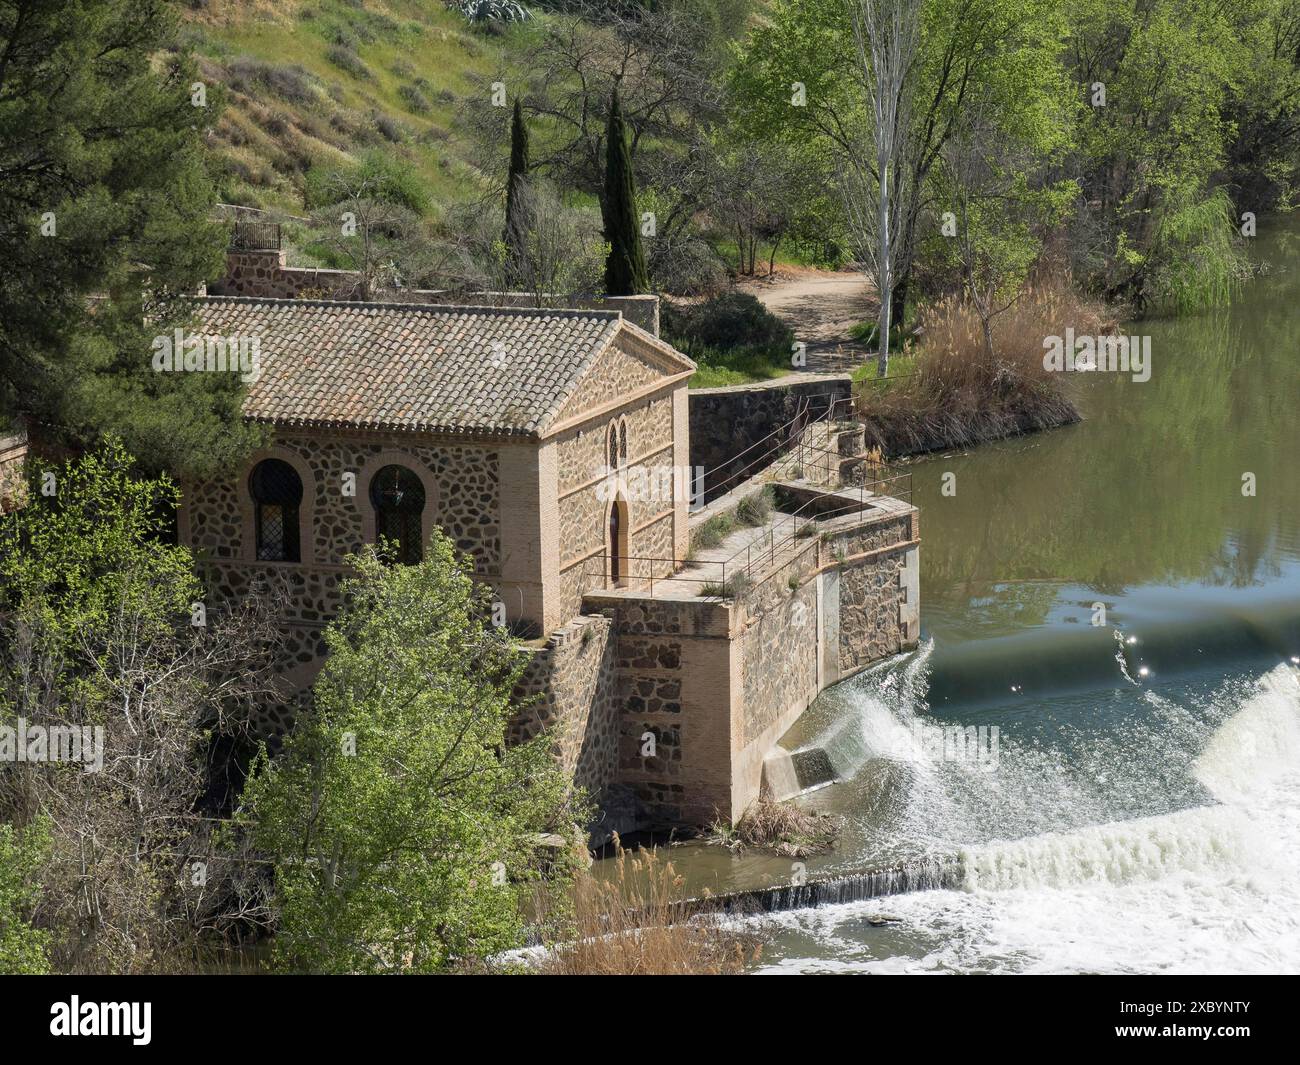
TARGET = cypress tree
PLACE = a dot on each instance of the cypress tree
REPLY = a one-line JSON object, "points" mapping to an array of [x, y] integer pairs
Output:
{"points": [[518, 213], [625, 272]]}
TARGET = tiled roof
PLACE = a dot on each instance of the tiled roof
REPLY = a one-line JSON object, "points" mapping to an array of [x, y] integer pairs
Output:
{"points": [[474, 370]]}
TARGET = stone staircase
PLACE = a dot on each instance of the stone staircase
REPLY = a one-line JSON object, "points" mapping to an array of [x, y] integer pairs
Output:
{"points": [[830, 454]]}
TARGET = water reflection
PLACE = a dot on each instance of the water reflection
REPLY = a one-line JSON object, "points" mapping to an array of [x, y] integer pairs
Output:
{"points": [[1147, 491]]}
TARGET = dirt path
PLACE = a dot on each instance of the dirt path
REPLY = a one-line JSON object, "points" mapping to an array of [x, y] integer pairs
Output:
{"points": [[821, 307]]}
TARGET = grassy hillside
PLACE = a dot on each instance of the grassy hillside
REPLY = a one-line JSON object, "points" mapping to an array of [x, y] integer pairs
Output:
{"points": [[313, 82]]}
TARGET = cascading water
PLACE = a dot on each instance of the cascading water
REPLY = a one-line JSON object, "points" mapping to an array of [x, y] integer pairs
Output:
{"points": [[1214, 884]]}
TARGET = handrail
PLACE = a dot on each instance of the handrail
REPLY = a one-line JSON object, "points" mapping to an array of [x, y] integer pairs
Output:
{"points": [[767, 555], [802, 410], [826, 417]]}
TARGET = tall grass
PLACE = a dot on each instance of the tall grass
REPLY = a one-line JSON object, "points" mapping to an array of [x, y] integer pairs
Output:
{"points": [[959, 395], [638, 922]]}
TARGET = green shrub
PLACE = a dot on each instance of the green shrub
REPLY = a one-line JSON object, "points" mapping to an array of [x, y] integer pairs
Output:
{"points": [[735, 585], [866, 332], [384, 177], [732, 337], [290, 83], [725, 323], [711, 533], [345, 58], [414, 99]]}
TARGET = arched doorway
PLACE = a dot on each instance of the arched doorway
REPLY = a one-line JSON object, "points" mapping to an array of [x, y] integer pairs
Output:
{"points": [[618, 541]]}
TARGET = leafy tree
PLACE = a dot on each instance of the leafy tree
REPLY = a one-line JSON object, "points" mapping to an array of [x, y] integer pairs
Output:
{"points": [[1151, 147], [771, 191], [22, 946], [665, 60], [887, 35], [995, 178], [368, 218], [1264, 108], [561, 255], [625, 273], [103, 191], [400, 826], [799, 77]]}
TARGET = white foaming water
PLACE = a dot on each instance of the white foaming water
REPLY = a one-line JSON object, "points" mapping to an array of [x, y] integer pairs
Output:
{"points": [[1213, 888], [886, 732]]}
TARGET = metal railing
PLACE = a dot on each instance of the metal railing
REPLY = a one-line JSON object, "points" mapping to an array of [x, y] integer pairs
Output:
{"points": [[255, 236], [783, 439], [793, 532], [814, 511]]}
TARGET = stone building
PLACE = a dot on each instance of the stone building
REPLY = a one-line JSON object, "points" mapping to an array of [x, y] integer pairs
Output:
{"points": [[553, 446], [500, 425]]}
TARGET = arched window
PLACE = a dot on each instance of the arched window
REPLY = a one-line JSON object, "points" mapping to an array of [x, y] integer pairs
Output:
{"points": [[618, 444], [398, 498], [276, 489]]}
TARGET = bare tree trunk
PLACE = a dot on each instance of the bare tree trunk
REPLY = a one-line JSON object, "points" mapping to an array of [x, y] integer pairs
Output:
{"points": [[886, 34], [898, 297], [885, 281]]}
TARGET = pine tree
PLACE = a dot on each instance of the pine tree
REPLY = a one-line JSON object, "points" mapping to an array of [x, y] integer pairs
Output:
{"points": [[625, 272], [104, 191], [518, 203]]}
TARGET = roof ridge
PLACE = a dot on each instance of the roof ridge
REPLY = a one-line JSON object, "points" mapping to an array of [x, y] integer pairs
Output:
{"points": [[461, 308]]}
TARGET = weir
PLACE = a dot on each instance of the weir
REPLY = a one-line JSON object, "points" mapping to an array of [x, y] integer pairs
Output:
{"points": [[854, 886]]}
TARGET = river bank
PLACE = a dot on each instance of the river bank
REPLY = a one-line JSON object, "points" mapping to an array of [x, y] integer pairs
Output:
{"points": [[964, 381]]}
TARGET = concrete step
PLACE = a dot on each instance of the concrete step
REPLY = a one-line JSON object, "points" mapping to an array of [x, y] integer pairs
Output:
{"points": [[851, 440]]}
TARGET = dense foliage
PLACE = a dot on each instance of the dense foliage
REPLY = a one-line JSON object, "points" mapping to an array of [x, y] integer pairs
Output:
{"points": [[98, 636], [1139, 133], [403, 834], [104, 192]]}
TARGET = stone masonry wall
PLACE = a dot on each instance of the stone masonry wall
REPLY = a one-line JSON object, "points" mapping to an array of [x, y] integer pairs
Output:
{"points": [[217, 525], [780, 647], [467, 501], [706, 688], [264, 274], [674, 684], [730, 427], [569, 690], [585, 498], [873, 614], [584, 459]]}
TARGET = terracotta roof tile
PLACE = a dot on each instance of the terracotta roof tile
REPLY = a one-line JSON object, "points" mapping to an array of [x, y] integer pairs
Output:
{"points": [[481, 370]]}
